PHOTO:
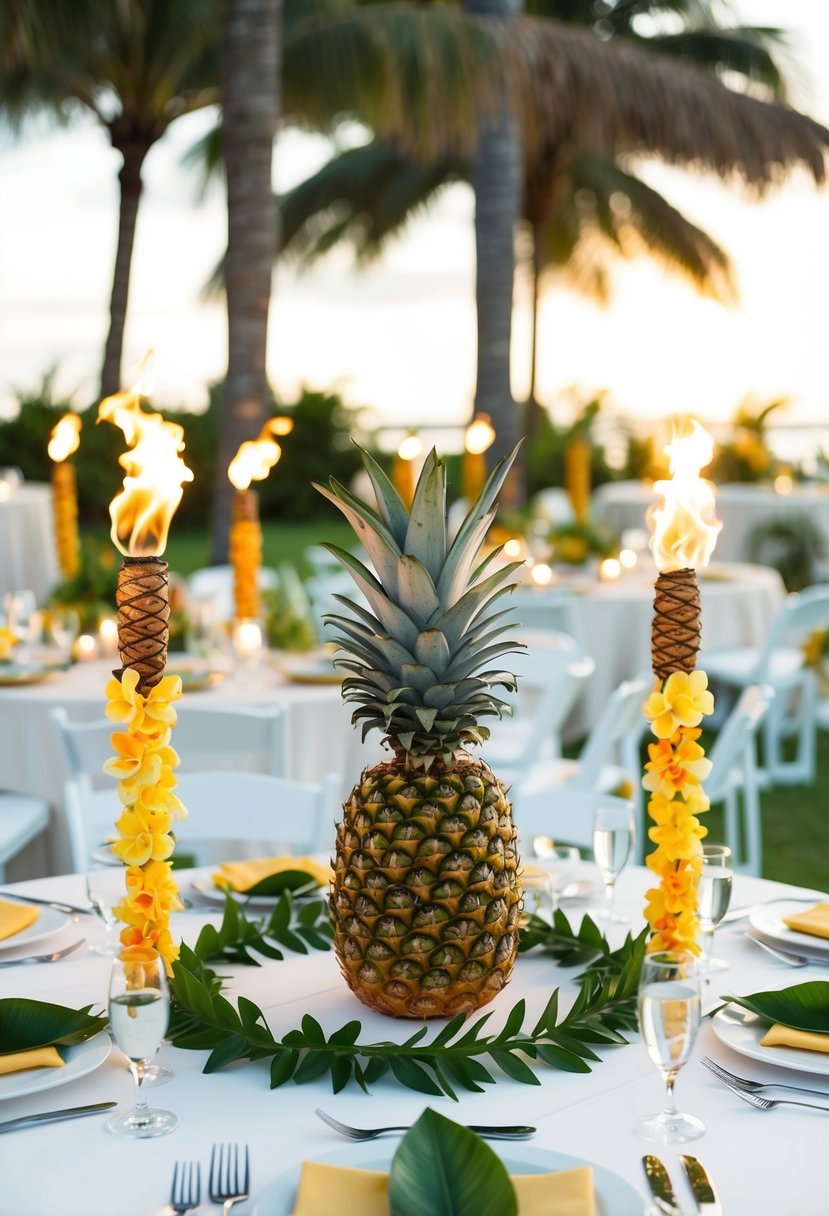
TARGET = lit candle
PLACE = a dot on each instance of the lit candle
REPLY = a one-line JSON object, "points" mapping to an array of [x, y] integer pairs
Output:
{"points": [[64, 440], [247, 639], [108, 636], [252, 462], [404, 471], [479, 437], [542, 574], [628, 559], [610, 569], [85, 648]]}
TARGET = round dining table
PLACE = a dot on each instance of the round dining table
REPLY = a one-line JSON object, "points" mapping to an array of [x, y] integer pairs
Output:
{"points": [[28, 558], [762, 1163]]}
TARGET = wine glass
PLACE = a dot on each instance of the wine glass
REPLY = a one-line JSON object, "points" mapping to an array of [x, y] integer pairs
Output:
{"points": [[562, 861], [713, 898], [537, 889], [248, 646], [139, 1009], [64, 627], [105, 889], [612, 844], [669, 1016]]}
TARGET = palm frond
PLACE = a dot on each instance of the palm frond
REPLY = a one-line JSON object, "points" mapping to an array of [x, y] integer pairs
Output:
{"points": [[745, 51]]}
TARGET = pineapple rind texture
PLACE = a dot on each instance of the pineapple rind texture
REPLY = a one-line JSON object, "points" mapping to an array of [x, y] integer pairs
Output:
{"points": [[426, 897]]}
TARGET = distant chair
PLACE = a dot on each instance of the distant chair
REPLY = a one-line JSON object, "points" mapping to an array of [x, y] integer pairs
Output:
{"points": [[553, 608], [566, 814], [780, 664], [22, 820], [238, 739], [215, 583], [554, 505], [734, 778]]}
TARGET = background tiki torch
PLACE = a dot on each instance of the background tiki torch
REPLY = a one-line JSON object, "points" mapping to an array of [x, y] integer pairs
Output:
{"points": [[63, 441], [252, 462]]}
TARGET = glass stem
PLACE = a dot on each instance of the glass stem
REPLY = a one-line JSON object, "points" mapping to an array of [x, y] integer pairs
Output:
{"points": [[142, 1106], [670, 1111], [610, 893], [707, 946]]}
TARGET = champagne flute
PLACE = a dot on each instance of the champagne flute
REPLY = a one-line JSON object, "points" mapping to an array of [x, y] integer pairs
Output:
{"points": [[139, 1009], [669, 1016], [612, 845], [713, 898]]}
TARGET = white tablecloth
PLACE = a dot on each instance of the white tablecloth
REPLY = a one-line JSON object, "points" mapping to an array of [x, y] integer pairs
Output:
{"points": [[763, 1164], [27, 541], [622, 505], [613, 620]]}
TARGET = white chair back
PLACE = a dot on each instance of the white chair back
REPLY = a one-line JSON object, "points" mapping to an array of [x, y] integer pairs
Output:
{"points": [[800, 614], [616, 735], [550, 674], [734, 779], [539, 609], [565, 814]]}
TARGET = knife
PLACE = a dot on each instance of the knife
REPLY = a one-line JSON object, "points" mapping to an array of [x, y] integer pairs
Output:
{"points": [[703, 1188], [57, 904], [660, 1185], [53, 1116]]}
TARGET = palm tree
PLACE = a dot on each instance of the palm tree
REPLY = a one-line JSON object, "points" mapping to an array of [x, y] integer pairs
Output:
{"points": [[136, 66], [250, 111]]}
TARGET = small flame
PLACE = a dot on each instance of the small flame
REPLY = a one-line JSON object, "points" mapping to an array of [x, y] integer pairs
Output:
{"points": [[684, 527], [480, 435], [154, 476], [256, 457], [65, 438]]}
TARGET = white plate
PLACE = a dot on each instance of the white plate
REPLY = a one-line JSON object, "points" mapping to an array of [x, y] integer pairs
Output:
{"points": [[78, 1061], [615, 1197], [742, 1032], [205, 889], [769, 922], [50, 921]]}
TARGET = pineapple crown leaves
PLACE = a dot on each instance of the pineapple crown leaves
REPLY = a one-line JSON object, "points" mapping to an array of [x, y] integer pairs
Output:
{"points": [[420, 655]]}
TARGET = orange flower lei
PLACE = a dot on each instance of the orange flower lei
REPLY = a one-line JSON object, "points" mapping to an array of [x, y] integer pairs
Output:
{"points": [[144, 764], [673, 776]]}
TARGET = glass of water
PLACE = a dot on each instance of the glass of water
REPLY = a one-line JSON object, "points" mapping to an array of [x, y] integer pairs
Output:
{"points": [[669, 1016], [105, 889], [139, 1010], [612, 845], [713, 898]]}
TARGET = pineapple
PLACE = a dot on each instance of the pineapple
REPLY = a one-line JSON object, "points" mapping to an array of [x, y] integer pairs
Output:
{"points": [[426, 894]]}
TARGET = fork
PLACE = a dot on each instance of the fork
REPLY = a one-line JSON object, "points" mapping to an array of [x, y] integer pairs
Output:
{"points": [[227, 1186], [732, 1079], [186, 1189], [762, 1103], [518, 1132], [43, 958]]}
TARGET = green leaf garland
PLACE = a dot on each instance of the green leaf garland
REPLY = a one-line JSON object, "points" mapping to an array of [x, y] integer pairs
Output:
{"points": [[287, 926]]}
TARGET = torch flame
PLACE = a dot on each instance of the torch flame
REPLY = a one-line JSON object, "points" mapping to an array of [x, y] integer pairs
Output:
{"points": [[256, 457], [685, 529], [154, 476], [65, 438]]}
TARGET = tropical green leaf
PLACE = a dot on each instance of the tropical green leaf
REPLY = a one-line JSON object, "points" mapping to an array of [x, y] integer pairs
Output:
{"points": [[443, 1169], [26, 1024], [801, 1007]]}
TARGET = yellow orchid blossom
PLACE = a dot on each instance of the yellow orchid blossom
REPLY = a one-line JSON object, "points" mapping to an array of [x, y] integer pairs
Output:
{"points": [[135, 760], [8, 640], [674, 766], [683, 701]]}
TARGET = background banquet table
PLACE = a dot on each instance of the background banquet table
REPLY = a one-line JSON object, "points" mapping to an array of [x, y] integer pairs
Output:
{"points": [[28, 558], [622, 505], [765, 1164]]}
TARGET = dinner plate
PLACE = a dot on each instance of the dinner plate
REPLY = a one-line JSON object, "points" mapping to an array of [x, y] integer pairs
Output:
{"points": [[48, 922], [314, 675], [614, 1196], [206, 890], [20, 673], [768, 922], [742, 1032], [194, 679], [79, 1060]]}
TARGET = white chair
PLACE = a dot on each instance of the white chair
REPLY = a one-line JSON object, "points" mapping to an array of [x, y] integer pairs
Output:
{"points": [[566, 814], [229, 738], [215, 584], [22, 820], [550, 675], [734, 778], [779, 663], [554, 608], [609, 758]]}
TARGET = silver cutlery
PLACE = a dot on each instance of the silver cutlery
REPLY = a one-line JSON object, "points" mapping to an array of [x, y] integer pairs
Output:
{"points": [[787, 956], [43, 958], [185, 1192], [58, 904], [227, 1183], [702, 1187], [55, 1116], [762, 1103], [516, 1132], [736, 1082], [661, 1188]]}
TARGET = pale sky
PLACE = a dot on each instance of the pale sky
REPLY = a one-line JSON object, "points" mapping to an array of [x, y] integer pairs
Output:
{"points": [[400, 337]]}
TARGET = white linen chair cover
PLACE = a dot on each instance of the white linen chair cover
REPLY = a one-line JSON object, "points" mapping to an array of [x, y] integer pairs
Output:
{"points": [[565, 814], [215, 584], [239, 739], [734, 778], [609, 759], [780, 664]]}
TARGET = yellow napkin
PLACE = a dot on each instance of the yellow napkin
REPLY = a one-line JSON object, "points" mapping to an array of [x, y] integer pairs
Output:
{"points": [[38, 1057], [328, 1188], [242, 875], [785, 1036], [14, 918], [814, 921]]}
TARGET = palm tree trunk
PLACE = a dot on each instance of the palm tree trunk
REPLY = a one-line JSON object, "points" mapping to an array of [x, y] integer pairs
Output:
{"points": [[250, 101], [129, 179], [531, 407], [497, 178]]}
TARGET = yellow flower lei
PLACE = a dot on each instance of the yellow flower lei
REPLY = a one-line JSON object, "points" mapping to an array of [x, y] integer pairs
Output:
{"points": [[144, 764], [673, 776]]}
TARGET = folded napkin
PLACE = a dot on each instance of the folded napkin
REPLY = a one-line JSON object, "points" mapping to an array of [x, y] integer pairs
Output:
{"points": [[329, 1188], [786, 1036], [814, 921], [38, 1057], [14, 918], [242, 875]]}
